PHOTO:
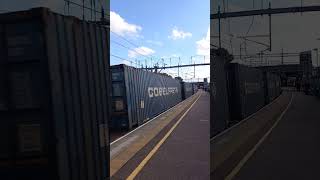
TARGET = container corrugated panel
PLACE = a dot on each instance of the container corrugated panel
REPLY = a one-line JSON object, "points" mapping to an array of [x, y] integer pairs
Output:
{"points": [[247, 93], [219, 94], [195, 88], [269, 87], [279, 85], [272, 86], [58, 106], [3, 94], [143, 95], [315, 85], [277, 88], [187, 90]]}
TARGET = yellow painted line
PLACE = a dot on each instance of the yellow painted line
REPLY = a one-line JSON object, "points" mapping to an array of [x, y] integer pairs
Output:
{"points": [[156, 148], [235, 171], [151, 120]]}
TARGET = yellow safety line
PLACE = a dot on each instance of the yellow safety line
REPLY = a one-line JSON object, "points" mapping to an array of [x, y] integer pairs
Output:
{"points": [[156, 148], [235, 171]]}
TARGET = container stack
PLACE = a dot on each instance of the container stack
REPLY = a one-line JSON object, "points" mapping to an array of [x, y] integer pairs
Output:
{"points": [[54, 97]]}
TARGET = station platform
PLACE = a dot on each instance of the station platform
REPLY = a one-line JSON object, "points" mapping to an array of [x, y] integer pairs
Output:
{"points": [[291, 151], [174, 145], [279, 142], [230, 146]]}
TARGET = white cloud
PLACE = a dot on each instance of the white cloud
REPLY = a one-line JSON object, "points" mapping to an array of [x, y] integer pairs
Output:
{"points": [[140, 51], [158, 43], [123, 28], [179, 34], [203, 45]]}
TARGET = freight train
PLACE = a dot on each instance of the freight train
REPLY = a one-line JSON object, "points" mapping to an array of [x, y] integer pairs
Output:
{"points": [[239, 91], [249, 90], [139, 95]]}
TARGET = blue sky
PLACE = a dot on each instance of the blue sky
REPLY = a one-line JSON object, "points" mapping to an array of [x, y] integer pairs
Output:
{"points": [[161, 29]]}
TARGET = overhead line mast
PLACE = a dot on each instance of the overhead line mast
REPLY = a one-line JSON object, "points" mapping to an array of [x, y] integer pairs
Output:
{"points": [[269, 11]]}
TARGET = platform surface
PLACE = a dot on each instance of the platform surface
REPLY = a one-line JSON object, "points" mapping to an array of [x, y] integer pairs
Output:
{"points": [[183, 155], [291, 151]]}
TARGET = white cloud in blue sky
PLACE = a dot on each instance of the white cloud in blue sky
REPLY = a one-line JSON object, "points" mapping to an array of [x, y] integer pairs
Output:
{"points": [[140, 51], [119, 26], [203, 45], [158, 43], [179, 34]]}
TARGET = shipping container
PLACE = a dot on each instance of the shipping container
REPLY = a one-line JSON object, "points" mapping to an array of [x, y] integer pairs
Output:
{"points": [[306, 63], [278, 86], [195, 88], [237, 91], [291, 81], [186, 90], [272, 86], [219, 107], [54, 97], [139, 95], [247, 93], [315, 86]]}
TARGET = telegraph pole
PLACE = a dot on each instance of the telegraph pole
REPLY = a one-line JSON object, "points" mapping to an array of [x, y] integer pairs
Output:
{"points": [[146, 62]]}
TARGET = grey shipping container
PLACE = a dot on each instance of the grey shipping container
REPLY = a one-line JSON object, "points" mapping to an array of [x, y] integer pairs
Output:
{"points": [[195, 88], [219, 107], [247, 94], [272, 86], [139, 95], [315, 85], [186, 90], [54, 97]]}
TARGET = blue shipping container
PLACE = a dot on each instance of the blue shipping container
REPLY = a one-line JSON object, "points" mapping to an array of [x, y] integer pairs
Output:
{"points": [[139, 95]]}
